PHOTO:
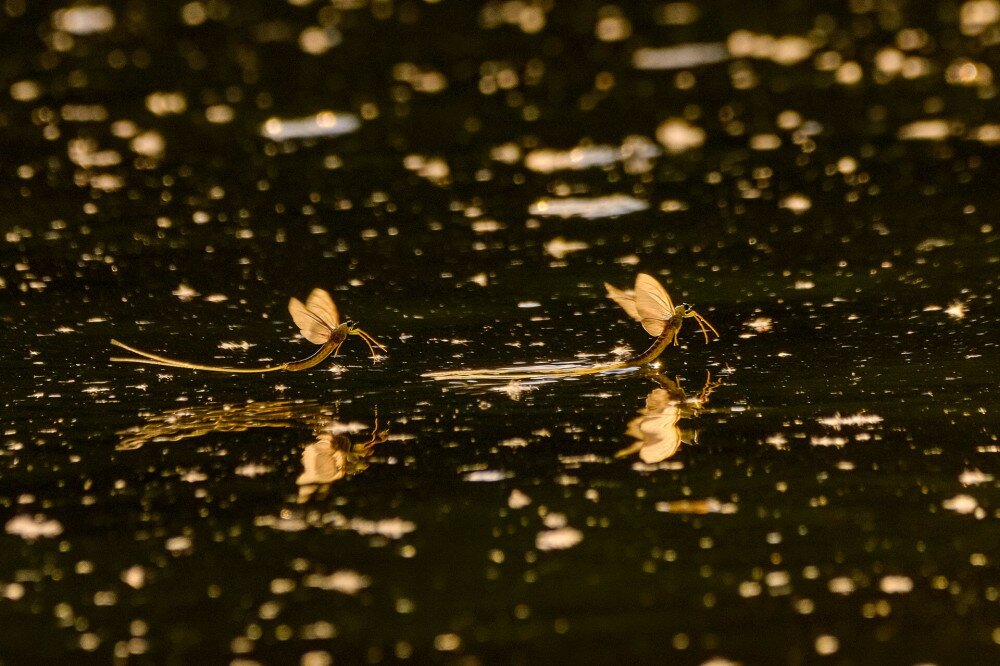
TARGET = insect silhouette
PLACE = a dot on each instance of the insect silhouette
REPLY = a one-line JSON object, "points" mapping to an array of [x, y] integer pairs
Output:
{"points": [[318, 321], [649, 304]]}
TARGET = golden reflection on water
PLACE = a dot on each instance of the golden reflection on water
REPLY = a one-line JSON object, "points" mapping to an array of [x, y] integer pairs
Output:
{"points": [[656, 430], [332, 455], [331, 458]]}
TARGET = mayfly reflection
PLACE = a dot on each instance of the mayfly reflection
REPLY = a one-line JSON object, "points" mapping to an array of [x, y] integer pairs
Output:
{"points": [[338, 450], [332, 457], [649, 304], [656, 429], [318, 321]]}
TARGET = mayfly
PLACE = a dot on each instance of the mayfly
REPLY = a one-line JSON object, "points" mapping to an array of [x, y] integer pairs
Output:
{"points": [[649, 304], [318, 321]]}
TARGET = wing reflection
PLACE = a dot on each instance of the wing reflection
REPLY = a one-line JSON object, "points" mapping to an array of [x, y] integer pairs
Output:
{"points": [[656, 430], [332, 455]]}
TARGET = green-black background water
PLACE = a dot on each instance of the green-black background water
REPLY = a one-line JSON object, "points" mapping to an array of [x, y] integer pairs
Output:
{"points": [[868, 543]]}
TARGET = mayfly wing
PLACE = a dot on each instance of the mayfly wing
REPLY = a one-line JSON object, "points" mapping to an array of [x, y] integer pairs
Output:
{"points": [[320, 304], [624, 299], [654, 327], [650, 292], [310, 325], [652, 303]]}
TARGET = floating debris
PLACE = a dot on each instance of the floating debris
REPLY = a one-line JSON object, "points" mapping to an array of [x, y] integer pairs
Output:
{"points": [[784, 50], [826, 645], [166, 103], [593, 208], [518, 500], [514, 390], [487, 476], [859, 419], [31, 527], [828, 441], [185, 292], [777, 440], [764, 142], [345, 581], [695, 506], [677, 135], [841, 585], [253, 470], [323, 124], [25, 91], [925, 130], [683, 56], [433, 169], [178, 545], [559, 247], [583, 157], [760, 324], [545, 160], [974, 477], [966, 72], [317, 40], [964, 504], [976, 16], [956, 310], [390, 528], [149, 144], [558, 539], [988, 134], [797, 203], [896, 584], [421, 79], [930, 244], [84, 19], [134, 576]]}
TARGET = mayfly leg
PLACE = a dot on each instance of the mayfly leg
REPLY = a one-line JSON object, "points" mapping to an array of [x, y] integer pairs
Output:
{"points": [[369, 340]]}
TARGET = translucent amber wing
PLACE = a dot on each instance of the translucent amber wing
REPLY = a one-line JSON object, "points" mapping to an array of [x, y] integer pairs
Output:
{"points": [[320, 304], [310, 326], [652, 303], [624, 299]]}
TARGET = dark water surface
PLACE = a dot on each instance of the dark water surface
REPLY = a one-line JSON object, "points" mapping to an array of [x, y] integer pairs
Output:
{"points": [[818, 485]]}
